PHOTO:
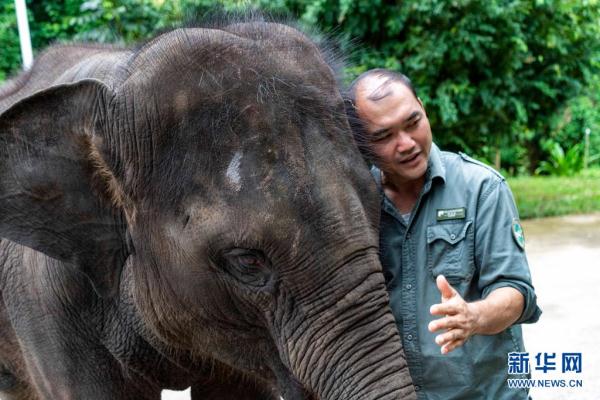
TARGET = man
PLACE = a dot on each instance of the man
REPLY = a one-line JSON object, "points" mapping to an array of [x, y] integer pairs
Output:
{"points": [[449, 229]]}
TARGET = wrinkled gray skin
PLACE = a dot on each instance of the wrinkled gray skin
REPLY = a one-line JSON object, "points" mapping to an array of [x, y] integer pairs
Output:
{"points": [[193, 212]]}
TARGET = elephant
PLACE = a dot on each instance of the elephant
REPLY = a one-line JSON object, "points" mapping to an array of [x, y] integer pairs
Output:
{"points": [[190, 212]]}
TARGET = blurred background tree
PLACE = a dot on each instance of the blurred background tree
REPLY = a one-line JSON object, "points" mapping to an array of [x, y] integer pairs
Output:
{"points": [[10, 53], [504, 80]]}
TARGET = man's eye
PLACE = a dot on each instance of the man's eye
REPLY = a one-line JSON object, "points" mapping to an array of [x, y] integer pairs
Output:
{"points": [[414, 123], [380, 137]]}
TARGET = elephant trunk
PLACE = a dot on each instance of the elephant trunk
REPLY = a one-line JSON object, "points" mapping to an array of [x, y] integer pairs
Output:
{"points": [[352, 349]]}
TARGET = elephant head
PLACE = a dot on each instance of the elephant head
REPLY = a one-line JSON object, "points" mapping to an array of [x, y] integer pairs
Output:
{"points": [[222, 175]]}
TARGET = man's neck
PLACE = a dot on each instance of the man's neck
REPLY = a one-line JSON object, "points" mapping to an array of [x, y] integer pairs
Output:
{"points": [[404, 194]]}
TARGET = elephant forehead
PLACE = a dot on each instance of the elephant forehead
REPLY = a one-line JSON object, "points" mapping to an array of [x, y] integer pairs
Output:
{"points": [[263, 164], [222, 224]]}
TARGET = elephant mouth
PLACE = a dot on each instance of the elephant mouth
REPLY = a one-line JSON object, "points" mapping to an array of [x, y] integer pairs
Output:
{"points": [[292, 389], [294, 394]]}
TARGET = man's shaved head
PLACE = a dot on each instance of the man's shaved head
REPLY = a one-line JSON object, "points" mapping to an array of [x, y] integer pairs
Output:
{"points": [[386, 76], [381, 91]]}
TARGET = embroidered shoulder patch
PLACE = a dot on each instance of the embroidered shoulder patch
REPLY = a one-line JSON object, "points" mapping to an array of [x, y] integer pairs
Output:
{"points": [[517, 232]]}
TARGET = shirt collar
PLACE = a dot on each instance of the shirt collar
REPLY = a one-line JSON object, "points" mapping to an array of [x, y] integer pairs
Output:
{"points": [[435, 165]]}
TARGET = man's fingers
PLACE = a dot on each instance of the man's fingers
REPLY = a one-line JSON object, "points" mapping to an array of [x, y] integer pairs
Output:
{"points": [[451, 336], [444, 287], [445, 323], [451, 346], [444, 309]]}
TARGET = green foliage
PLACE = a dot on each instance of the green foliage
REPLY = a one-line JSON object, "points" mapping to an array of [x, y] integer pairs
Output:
{"points": [[491, 72], [580, 113], [9, 39], [122, 21], [561, 163], [499, 78], [544, 196], [107, 21]]}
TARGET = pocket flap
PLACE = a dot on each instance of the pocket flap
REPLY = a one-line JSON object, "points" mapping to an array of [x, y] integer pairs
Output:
{"points": [[451, 233]]}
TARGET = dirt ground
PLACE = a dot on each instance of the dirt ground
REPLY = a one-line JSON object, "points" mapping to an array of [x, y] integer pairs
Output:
{"points": [[564, 256]]}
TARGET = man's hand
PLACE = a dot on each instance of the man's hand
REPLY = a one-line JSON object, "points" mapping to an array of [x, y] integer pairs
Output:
{"points": [[460, 319]]}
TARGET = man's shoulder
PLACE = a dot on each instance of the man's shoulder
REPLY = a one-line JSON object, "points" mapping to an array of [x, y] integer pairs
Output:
{"points": [[463, 167]]}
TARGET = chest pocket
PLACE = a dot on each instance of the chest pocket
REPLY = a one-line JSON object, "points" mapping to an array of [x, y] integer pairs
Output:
{"points": [[450, 251]]}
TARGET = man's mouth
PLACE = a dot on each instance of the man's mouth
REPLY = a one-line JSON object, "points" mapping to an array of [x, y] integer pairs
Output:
{"points": [[410, 158]]}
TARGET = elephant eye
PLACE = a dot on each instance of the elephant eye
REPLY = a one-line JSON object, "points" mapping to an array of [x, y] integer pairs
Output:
{"points": [[250, 260], [247, 257], [249, 266]]}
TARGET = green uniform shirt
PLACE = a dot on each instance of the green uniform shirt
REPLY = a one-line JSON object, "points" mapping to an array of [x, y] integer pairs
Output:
{"points": [[464, 226]]}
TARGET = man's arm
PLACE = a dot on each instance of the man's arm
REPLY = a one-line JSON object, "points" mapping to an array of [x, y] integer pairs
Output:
{"points": [[499, 255], [461, 320]]}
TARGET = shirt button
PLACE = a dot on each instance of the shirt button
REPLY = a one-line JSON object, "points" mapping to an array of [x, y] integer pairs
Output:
{"points": [[417, 388], [453, 236], [409, 337], [409, 286]]}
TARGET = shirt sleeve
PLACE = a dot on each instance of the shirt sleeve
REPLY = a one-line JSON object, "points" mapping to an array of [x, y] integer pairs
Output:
{"points": [[500, 260]]}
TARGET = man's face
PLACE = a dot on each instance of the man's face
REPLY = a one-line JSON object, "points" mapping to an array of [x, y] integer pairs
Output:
{"points": [[397, 128]]}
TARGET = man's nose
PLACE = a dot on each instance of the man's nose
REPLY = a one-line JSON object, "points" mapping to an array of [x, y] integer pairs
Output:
{"points": [[404, 142]]}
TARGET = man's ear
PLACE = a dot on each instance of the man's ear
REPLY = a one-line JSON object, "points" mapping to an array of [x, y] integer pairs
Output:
{"points": [[52, 195]]}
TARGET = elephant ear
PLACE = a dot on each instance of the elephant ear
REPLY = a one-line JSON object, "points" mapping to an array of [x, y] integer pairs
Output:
{"points": [[50, 196]]}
